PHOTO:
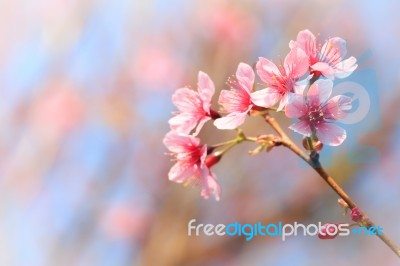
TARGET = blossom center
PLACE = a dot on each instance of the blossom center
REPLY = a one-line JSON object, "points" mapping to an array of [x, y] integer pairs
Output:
{"points": [[315, 116]]}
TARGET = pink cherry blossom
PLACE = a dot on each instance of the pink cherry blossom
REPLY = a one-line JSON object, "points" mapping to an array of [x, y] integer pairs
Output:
{"points": [[193, 107], [281, 81], [327, 60], [316, 113], [191, 165], [237, 101]]}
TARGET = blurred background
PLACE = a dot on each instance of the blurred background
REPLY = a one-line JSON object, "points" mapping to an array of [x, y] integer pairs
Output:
{"points": [[85, 89]]}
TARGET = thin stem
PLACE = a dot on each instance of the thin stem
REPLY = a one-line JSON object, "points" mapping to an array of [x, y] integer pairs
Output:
{"points": [[232, 143], [316, 165]]}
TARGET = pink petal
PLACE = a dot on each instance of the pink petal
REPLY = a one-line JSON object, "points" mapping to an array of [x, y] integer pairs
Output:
{"points": [[335, 108], [266, 97], [325, 69], [284, 101], [245, 76], [334, 50], [206, 90], [180, 172], [296, 63], [234, 100], [177, 143], [183, 122], [186, 100], [331, 134], [345, 68], [201, 124], [300, 85], [231, 121], [209, 185], [320, 91], [267, 70], [302, 127], [296, 107], [305, 41]]}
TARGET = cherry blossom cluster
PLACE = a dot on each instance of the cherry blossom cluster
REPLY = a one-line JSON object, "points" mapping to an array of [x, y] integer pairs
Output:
{"points": [[301, 87]]}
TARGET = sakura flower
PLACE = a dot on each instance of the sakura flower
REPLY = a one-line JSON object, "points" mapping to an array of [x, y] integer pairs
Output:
{"points": [[316, 113], [192, 165], [281, 81], [328, 60], [237, 102], [193, 107]]}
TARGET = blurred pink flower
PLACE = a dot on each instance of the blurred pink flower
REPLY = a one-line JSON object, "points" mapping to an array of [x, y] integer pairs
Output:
{"points": [[328, 60], [237, 101], [57, 110], [281, 81], [191, 166], [316, 113], [160, 59], [228, 24], [123, 221], [194, 107]]}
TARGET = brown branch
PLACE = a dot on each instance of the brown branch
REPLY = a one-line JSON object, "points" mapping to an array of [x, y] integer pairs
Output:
{"points": [[314, 162]]}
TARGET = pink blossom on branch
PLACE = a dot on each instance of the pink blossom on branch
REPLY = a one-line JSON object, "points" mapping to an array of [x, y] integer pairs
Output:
{"points": [[192, 166], [281, 81], [193, 107], [316, 113], [237, 101], [327, 60]]}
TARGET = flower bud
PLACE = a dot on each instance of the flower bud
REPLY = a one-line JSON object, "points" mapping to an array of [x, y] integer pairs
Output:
{"points": [[356, 215], [212, 159], [343, 203], [328, 231], [316, 145]]}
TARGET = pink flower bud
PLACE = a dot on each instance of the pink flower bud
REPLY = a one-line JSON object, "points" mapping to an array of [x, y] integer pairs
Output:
{"points": [[356, 215], [212, 159], [328, 231]]}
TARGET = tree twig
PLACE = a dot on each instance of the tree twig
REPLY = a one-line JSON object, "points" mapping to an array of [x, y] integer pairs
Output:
{"points": [[316, 165]]}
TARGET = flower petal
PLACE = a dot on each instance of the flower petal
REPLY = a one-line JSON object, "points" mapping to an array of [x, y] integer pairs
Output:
{"points": [[302, 127], [201, 124], [284, 101], [186, 100], [319, 92], [331, 134], [206, 90], [296, 63], [335, 108], [176, 142], [325, 69], [305, 41], [267, 70], [346, 67], [333, 50], [231, 121], [183, 123], [234, 100], [296, 107], [210, 185], [245, 75], [180, 172], [266, 97]]}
